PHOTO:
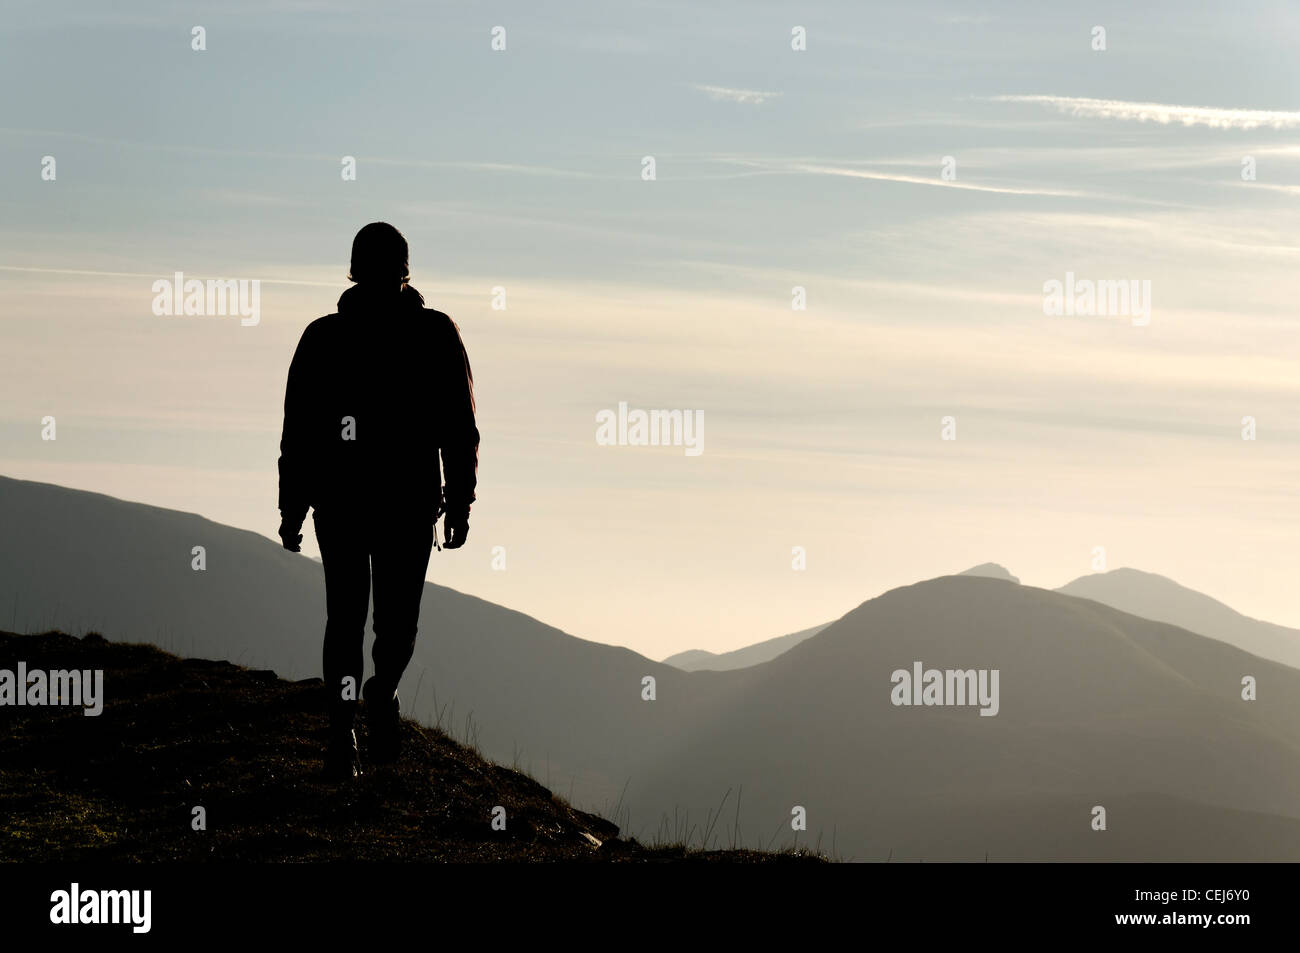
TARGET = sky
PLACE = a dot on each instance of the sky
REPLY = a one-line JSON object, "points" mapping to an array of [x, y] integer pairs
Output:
{"points": [[923, 172]]}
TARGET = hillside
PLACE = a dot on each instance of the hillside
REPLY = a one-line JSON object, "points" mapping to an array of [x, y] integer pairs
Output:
{"points": [[79, 562], [1098, 706], [243, 744], [700, 660], [1157, 597]]}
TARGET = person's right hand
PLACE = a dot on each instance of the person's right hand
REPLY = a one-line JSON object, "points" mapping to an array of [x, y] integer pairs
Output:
{"points": [[291, 536], [456, 527]]}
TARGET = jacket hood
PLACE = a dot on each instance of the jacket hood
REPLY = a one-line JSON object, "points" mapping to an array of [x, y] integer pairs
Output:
{"points": [[365, 297]]}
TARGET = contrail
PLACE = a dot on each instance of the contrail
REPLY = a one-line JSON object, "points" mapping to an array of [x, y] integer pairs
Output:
{"points": [[1163, 113]]}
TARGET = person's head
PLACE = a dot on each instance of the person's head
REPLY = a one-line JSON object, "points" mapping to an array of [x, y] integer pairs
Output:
{"points": [[380, 257]]}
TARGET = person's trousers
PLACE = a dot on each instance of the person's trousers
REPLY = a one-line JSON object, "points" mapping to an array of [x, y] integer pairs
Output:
{"points": [[355, 550]]}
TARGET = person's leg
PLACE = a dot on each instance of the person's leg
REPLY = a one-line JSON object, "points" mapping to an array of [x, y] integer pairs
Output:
{"points": [[401, 558], [346, 560], [400, 561]]}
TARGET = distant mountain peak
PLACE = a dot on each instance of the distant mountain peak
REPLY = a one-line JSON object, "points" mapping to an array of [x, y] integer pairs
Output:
{"points": [[991, 571], [696, 660], [1130, 572], [1128, 579], [1153, 596]]}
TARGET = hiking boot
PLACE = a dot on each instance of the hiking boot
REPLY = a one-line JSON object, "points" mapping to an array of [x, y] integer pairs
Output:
{"points": [[383, 724], [342, 760]]}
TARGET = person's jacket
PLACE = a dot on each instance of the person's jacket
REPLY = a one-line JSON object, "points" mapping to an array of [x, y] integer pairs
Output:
{"points": [[375, 393]]}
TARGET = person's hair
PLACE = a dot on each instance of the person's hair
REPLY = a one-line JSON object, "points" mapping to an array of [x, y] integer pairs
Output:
{"points": [[379, 254]]}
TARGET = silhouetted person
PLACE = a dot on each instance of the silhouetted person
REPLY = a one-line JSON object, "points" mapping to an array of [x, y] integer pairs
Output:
{"points": [[375, 393]]}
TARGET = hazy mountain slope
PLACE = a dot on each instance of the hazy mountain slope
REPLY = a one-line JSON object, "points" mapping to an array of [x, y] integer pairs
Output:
{"points": [[699, 660], [1156, 597], [79, 561], [1097, 706], [83, 561]]}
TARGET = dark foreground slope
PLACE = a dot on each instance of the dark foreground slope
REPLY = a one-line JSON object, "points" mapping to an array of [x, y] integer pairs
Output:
{"points": [[176, 734]]}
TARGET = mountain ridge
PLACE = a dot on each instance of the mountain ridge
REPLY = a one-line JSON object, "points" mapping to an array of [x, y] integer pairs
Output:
{"points": [[1160, 598], [1096, 704]]}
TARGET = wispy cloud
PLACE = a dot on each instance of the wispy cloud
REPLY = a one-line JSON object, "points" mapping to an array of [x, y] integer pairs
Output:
{"points": [[418, 163], [1163, 113], [1284, 189], [725, 94], [165, 272], [812, 166], [935, 181]]}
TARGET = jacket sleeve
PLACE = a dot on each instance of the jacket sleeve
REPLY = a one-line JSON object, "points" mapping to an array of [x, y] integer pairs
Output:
{"points": [[295, 438], [460, 438]]}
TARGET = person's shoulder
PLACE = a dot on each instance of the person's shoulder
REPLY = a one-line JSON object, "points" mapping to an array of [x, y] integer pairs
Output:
{"points": [[322, 325], [439, 320], [320, 334], [436, 316]]}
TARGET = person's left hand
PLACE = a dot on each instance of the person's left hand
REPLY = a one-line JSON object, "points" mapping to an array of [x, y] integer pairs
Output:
{"points": [[456, 526]]}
